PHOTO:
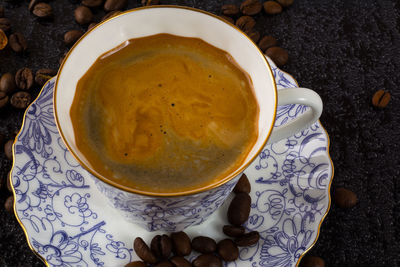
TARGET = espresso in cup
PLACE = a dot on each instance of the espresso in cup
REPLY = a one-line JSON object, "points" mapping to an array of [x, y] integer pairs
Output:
{"points": [[165, 114]]}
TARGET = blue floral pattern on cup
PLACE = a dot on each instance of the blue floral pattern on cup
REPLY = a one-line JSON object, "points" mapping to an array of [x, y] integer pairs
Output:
{"points": [[68, 222]]}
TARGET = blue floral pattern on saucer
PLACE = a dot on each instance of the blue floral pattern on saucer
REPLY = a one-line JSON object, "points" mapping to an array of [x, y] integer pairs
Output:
{"points": [[69, 223]]}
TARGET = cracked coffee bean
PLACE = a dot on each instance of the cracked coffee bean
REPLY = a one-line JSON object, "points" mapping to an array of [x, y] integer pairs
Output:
{"points": [[178, 261], [7, 83], [70, 37], [24, 78], [207, 260], [181, 244], [239, 209], [227, 250], [42, 10], [228, 19], [248, 239], [5, 24], [9, 204], [233, 231], [230, 10], [3, 99], [345, 198], [111, 5], [20, 100], [245, 23], [136, 264], [18, 42], [43, 75], [251, 7], [285, 3], [83, 15], [8, 149], [204, 244], [161, 246], [272, 8], [92, 3], [278, 55], [164, 263], [150, 2], [143, 251], [243, 185], [381, 99], [312, 261], [267, 42]]}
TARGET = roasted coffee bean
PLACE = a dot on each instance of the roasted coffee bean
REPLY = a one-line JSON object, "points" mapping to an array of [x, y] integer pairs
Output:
{"points": [[272, 8], [243, 185], [181, 244], [278, 55], [32, 4], [3, 39], [24, 78], [228, 19], [3, 99], [8, 149], [161, 246], [5, 24], [239, 209], [111, 14], [227, 250], [83, 15], [91, 25], [178, 261], [70, 37], [150, 2], [233, 231], [381, 99], [285, 3], [1, 11], [143, 251], [42, 10], [312, 261], [9, 181], [92, 3], [43, 75], [18, 42], [9, 204], [207, 260], [251, 7], [267, 42], [204, 244], [254, 35], [20, 100], [245, 23], [7, 83], [111, 5], [164, 264], [345, 198], [230, 10], [248, 239], [136, 264]]}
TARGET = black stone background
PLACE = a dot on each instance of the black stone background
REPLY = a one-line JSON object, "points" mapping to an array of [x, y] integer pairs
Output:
{"points": [[344, 50]]}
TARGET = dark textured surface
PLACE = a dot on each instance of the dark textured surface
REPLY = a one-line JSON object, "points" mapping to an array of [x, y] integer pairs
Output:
{"points": [[344, 50]]}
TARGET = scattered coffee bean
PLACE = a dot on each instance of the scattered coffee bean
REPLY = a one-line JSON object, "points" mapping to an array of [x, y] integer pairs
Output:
{"points": [[245, 23], [43, 75], [91, 25], [251, 7], [254, 35], [150, 2], [164, 264], [207, 260], [70, 37], [83, 15], [111, 14], [204, 244], [20, 100], [243, 185], [9, 181], [181, 244], [8, 149], [5, 24], [7, 83], [136, 264], [3, 99], [278, 55], [239, 209], [285, 3], [312, 261], [178, 261], [345, 198], [42, 10], [1, 11], [111, 5], [228, 19], [92, 3], [18, 42], [3, 39], [248, 239], [32, 4], [230, 10], [161, 246], [233, 231], [24, 78], [267, 42], [381, 99], [143, 251], [272, 8], [9, 204], [227, 250]]}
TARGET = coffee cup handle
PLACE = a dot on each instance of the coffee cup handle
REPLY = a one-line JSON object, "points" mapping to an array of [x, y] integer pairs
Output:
{"points": [[302, 96]]}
